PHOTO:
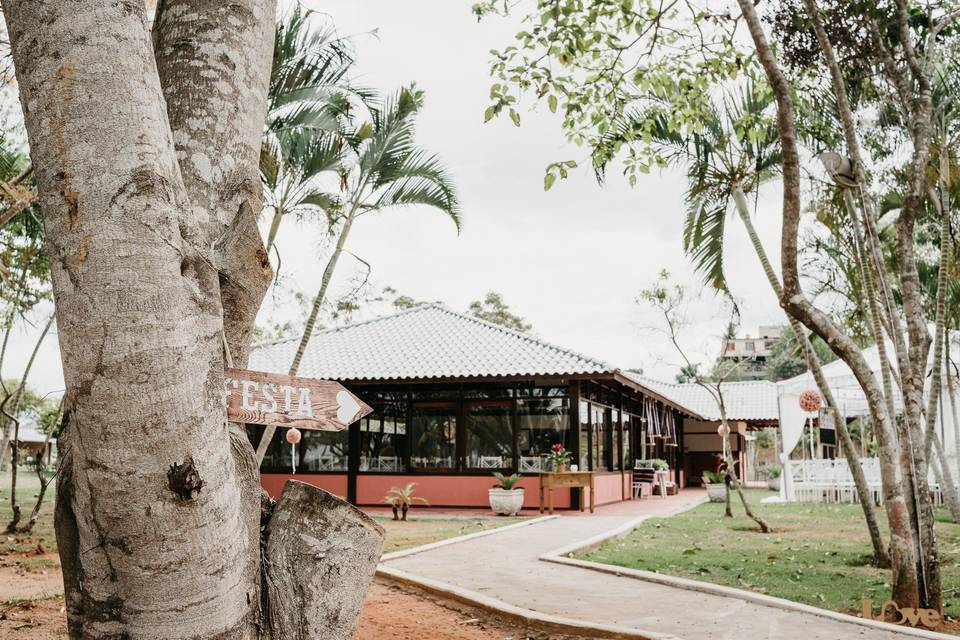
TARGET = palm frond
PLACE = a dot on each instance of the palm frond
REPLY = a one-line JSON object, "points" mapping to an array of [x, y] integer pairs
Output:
{"points": [[703, 234]]}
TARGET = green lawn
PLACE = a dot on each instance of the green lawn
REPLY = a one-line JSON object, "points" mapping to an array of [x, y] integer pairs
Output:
{"points": [[817, 554], [400, 535], [416, 532], [28, 486]]}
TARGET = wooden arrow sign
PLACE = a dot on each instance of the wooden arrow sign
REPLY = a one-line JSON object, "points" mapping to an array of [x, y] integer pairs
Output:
{"points": [[256, 397]]}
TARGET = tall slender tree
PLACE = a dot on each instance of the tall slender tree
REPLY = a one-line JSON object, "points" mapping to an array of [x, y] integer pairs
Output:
{"points": [[382, 169], [734, 153], [310, 102]]}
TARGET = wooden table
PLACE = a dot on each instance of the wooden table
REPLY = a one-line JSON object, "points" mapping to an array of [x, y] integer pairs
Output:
{"points": [[565, 480]]}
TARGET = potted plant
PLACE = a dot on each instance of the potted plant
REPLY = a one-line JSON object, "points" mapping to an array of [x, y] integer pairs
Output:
{"points": [[653, 463], [505, 500], [716, 484], [401, 499], [773, 482], [558, 457]]}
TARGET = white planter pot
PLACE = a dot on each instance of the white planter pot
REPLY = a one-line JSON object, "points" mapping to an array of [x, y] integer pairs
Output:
{"points": [[717, 492], [773, 484], [506, 502]]}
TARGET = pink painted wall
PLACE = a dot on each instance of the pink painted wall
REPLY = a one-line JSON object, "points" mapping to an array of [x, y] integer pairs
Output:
{"points": [[609, 487], [334, 483], [451, 491]]}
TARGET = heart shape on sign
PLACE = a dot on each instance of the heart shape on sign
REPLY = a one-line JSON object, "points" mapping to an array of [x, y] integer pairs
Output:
{"points": [[348, 407]]}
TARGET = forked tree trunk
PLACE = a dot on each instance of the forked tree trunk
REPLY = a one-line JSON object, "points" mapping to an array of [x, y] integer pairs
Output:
{"points": [[147, 174], [905, 588], [880, 556]]}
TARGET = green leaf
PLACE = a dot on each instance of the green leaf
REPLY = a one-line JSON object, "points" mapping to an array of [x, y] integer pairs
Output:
{"points": [[489, 113], [515, 117], [552, 103], [548, 181]]}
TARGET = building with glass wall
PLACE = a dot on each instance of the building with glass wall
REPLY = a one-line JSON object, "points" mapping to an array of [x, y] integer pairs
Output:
{"points": [[456, 398]]}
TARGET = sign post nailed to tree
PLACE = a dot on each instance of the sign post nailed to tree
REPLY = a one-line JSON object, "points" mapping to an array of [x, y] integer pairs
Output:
{"points": [[256, 397]]}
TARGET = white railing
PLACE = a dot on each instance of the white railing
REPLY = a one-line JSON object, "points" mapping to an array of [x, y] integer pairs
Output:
{"points": [[831, 481]]}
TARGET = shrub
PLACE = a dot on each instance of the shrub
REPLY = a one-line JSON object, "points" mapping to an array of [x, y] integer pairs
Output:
{"points": [[506, 482], [713, 477], [653, 463]]}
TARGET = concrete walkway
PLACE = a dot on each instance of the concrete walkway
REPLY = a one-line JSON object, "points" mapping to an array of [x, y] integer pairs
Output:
{"points": [[504, 565]]}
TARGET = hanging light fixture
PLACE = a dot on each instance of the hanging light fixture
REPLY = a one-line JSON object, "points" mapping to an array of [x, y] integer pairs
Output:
{"points": [[839, 168]]}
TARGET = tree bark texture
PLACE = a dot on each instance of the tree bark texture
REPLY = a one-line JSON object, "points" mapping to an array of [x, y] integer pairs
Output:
{"points": [[903, 559], [335, 571], [911, 358], [147, 174]]}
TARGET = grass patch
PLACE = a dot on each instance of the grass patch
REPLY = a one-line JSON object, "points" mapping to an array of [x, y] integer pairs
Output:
{"points": [[818, 554], [16, 548], [413, 533]]}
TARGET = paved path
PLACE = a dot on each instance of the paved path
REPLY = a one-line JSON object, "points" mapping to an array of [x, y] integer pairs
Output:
{"points": [[504, 565]]}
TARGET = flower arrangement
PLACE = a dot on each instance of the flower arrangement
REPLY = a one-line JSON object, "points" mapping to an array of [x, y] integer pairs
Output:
{"points": [[559, 457]]}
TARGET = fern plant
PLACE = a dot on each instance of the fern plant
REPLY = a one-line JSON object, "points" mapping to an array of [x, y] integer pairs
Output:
{"points": [[507, 482]]}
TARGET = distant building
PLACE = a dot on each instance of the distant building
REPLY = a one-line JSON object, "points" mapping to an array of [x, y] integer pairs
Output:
{"points": [[456, 398], [753, 350]]}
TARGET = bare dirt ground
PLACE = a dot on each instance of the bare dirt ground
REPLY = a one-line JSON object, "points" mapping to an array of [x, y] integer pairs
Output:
{"points": [[389, 612], [31, 587]]}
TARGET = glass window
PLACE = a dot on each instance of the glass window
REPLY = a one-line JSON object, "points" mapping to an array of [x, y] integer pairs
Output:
{"points": [[494, 390], [317, 451], [617, 434], [626, 436], [382, 443], [529, 389], [542, 424], [489, 437], [383, 433], [322, 451], [600, 428], [433, 432], [446, 392]]}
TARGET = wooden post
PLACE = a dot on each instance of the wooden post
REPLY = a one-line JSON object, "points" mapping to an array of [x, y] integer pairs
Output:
{"points": [[353, 461], [575, 432]]}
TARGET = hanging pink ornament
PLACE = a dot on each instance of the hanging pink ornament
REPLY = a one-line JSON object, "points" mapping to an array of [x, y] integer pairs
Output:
{"points": [[810, 401], [293, 435]]}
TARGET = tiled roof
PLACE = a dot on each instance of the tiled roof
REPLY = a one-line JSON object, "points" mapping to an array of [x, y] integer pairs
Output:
{"points": [[427, 341], [747, 400]]}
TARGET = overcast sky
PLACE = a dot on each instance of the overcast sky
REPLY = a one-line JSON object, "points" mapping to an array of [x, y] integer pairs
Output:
{"points": [[571, 261]]}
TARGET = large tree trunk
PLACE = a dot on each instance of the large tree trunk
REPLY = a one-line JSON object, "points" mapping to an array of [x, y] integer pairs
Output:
{"points": [[902, 557], [911, 359], [148, 182]]}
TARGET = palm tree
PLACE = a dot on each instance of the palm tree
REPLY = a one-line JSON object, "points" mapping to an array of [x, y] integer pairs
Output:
{"points": [[736, 151], [381, 168], [309, 105]]}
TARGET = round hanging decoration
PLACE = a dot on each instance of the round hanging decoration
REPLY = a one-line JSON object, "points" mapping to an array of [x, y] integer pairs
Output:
{"points": [[810, 401], [293, 435]]}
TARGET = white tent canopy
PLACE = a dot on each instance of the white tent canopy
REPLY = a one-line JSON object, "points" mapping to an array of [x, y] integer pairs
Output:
{"points": [[852, 402]]}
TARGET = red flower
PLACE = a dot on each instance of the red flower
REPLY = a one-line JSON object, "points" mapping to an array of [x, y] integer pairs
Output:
{"points": [[557, 447]]}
